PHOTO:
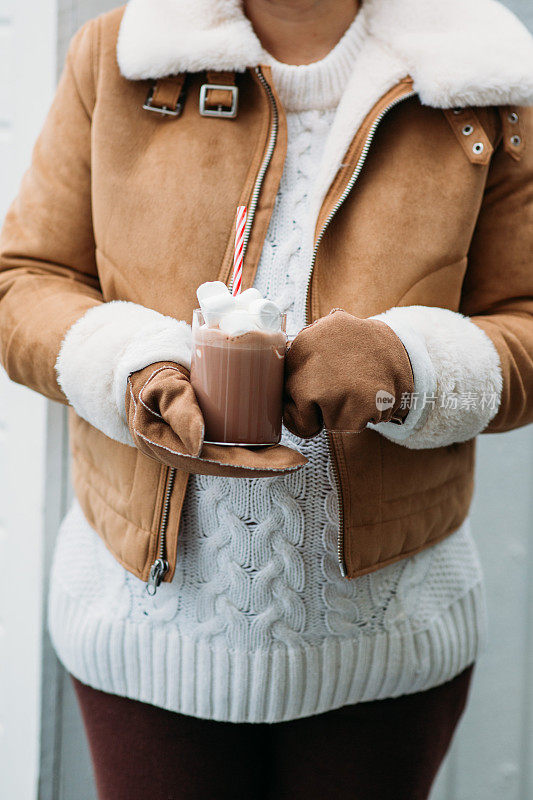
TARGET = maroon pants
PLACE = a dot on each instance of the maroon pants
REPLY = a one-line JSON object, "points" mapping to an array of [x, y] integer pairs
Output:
{"points": [[382, 750]]}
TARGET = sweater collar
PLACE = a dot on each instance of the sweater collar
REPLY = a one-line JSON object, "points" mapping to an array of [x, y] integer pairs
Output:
{"points": [[320, 84], [458, 52]]}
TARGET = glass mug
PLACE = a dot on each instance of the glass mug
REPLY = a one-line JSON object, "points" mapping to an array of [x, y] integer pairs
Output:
{"points": [[238, 382]]}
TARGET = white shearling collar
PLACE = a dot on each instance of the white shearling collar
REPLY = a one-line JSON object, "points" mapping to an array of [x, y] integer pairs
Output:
{"points": [[164, 37], [458, 52]]}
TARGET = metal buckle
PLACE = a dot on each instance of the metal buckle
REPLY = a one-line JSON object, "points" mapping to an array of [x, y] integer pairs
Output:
{"points": [[165, 110], [220, 111]]}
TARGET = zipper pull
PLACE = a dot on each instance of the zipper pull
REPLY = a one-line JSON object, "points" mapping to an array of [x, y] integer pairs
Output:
{"points": [[157, 571]]}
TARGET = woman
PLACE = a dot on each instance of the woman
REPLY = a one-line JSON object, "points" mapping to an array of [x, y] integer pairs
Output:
{"points": [[313, 633]]}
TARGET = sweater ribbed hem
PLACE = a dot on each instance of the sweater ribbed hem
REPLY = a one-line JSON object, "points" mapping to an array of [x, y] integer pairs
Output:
{"points": [[157, 665]]}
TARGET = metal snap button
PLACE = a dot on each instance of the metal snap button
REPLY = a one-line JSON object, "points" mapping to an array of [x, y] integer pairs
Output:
{"points": [[516, 140], [512, 117], [467, 130], [478, 147]]}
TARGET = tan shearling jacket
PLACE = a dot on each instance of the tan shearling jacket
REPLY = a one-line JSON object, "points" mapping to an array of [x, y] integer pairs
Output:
{"points": [[422, 214]]}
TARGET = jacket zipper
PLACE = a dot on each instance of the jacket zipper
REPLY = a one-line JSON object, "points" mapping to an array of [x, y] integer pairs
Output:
{"points": [[327, 221], [159, 568], [271, 144]]}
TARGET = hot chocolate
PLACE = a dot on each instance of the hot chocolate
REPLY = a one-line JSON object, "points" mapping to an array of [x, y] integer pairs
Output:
{"points": [[238, 381], [237, 365]]}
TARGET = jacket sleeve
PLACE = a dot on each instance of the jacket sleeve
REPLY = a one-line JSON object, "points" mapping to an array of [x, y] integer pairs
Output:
{"points": [[48, 275], [57, 335], [473, 368], [498, 288]]}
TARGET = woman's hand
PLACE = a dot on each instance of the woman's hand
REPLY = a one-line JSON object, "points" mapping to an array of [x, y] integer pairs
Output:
{"points": [[343, 372], [165, 391]]}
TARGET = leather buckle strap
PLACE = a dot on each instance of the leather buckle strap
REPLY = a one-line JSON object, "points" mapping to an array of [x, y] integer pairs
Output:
{"points": [[470, 134], [514, 142], [166, 96], [219, 97]]}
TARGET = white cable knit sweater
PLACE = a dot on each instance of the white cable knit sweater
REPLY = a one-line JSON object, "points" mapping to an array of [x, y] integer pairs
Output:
{"points": [[258, 624]]}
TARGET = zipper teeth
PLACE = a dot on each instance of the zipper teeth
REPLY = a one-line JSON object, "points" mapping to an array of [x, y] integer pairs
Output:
{"points": [[266, 160], [264, 164], [349, 186], [340, 537], [160, 566], [338, 204], [162, 550]]}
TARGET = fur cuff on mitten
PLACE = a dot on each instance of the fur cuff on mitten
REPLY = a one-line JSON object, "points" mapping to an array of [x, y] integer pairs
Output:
{"points": [[102, 348], [457, 376]]}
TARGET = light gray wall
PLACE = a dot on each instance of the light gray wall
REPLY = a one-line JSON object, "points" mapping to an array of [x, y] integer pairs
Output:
{"points": [[27, 70], [492, 756]]}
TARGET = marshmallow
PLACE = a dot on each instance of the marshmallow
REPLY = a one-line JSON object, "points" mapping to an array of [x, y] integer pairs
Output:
{"points": [[211, 289], [246, 312], [215, 307], [237, 322], [244, 299], [266, 314]]}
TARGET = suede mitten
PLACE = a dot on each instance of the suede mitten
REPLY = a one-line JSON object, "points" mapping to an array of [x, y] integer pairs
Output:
{"points": [[165, 391], [166, 424], [342, 372]]}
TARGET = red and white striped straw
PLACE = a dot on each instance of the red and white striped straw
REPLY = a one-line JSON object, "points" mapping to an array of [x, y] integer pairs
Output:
{"points": [[240, 224]]}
